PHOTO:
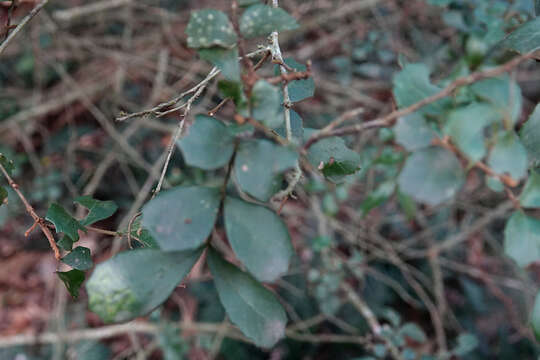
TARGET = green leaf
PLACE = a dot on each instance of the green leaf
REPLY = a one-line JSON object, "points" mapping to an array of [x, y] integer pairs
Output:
{"points": [[509, 156], [537, 7], [73, 280], [332, 157], [3, 196], [503, 93], [298, 89], [225, 59], [249, 305], [466, 127], [182, 218], [97, 210], [208, 144], [465, 344], [530, 197], [6, 163], [233, 90], [522, 239], [297, 128], [208, 28], [134, 282], [259, 239], [412, 84], [378, 197], [530, 135], [414, 332], [79, 258], [413, 132], [261, 20], [248, 2], [524, 39], [63, 222], [65, 243], [266, 104], [431, 175], [259, 165], [535, 317]]}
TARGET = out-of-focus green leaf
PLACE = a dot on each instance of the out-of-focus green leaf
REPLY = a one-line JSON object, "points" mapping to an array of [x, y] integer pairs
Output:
{"points": [[208, 28], [530, 197], [63, 222], [465, 344], [181, 218], [413, 132], [261, 20], [503, 93], [378, 196], [134, 282], [466, 128], [250, 306], [266, 104], [524, 39], [259, 166], [208, 144], [530, 134], [259, 239], [73, 280], [509, 156], [6, 164], [3, 196], [224, 59], [535, 316], [431, 175], [522, 239], [298, 89], [97, 210], [79, 258]]}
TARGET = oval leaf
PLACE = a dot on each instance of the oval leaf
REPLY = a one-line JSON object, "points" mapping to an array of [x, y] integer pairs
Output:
{"points": [[208, 28], [250, 306], [63, 222], [522, 239], [181, 218], [266, 104], [259, 239], [133, 283], [208, 143], [261, 20], [525, 38], [97, 210], [413, 132], [258, 167], [431, 175], [79, 258], [508, 156]]}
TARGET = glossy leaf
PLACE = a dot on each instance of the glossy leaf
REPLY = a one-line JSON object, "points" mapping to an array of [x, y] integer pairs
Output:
{"points": [[97, 210], [525, 38], [64, 222], [73, 280], [181, 218], [333, 158], [208, 28], [133, 283], [208, 144], [249, 305], [509, 156], [224, 59], [266, 104], [530, 135], [530, 197], [259, 238], [259, 166], [522, 239], [431, 175], [298, 89], [413, 132], [233, 90], [412, 84], [79, 258], [261, 20], [466, 128]]}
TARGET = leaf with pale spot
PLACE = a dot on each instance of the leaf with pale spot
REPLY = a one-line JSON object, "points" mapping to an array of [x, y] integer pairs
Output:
{"points": [[134, 282], [249, 305], [259, 239], [208, 28], [79, 258], [259, 166], [261, 20]]}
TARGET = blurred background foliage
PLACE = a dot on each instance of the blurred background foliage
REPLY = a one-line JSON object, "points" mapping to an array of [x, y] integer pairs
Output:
{"points": [[70, 74]]}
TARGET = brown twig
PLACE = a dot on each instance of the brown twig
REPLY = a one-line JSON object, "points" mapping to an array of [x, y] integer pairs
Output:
{"points": [[389, 119], [30, 210], [23, 22]]}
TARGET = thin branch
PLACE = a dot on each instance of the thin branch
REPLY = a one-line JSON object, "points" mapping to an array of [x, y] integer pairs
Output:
{"points": [[23, 22], [30, 210], [389, 119]]}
